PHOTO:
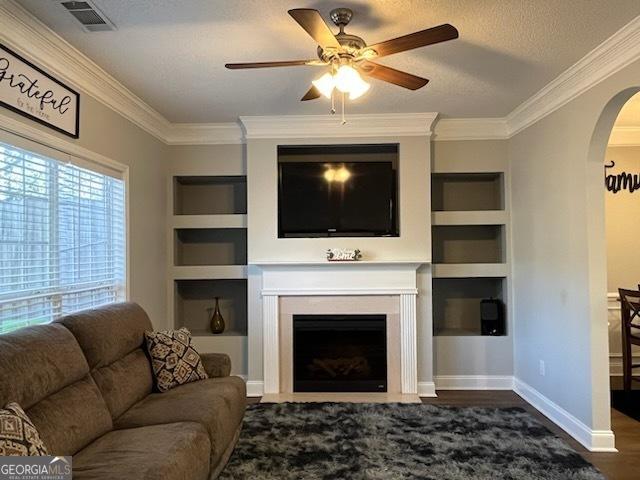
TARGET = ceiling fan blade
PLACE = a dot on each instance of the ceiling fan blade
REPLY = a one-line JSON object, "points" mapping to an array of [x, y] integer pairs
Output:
{"points": [[311, 94], [314, 25], [288, 63], [391, 75], [438, 34]]}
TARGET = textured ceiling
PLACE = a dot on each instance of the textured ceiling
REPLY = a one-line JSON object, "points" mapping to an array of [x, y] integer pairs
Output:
{"points": [[172, 53]]}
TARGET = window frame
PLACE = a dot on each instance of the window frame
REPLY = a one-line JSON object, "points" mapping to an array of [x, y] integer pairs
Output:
{"points": [[39, 142]]}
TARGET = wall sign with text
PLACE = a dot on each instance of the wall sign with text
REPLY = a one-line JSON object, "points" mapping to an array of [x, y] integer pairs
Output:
{"points": [[621, 181], [30, 91]]}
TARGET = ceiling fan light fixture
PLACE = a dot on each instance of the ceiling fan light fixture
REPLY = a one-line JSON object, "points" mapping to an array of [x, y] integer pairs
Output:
{"points": [[346, 78], [325, 84], [358, 89]]}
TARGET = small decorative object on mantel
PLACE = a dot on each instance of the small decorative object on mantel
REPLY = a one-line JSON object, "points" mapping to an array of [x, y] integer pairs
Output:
{"points": [[343, 255], [217, 322], [33, 93]]}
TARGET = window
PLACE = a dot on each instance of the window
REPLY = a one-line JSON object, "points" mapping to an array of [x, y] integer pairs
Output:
{"points": [[62, 239]]}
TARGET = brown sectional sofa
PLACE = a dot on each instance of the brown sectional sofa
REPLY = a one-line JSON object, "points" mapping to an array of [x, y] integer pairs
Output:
{"points": [[86, 383]]}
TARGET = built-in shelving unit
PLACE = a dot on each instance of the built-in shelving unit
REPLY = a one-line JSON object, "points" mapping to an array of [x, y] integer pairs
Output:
{"points": [[208, 255], [469, 247]]}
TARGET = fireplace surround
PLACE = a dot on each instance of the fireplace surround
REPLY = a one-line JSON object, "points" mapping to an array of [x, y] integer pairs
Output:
{"points": [[343, 288]]}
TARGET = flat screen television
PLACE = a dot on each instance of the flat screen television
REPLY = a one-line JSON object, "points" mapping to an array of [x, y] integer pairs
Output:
{"points": [[337, 199]]}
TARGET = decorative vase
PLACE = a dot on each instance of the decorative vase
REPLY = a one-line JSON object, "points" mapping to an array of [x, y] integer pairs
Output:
{"points": [[217, 322]]}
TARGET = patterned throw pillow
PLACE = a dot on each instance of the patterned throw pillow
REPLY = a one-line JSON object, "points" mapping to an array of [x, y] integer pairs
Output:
{"points": [[174, 360], [18, 436]]}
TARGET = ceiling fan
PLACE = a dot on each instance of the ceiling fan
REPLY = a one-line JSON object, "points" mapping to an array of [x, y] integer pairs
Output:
{"points": [[348, 56]]}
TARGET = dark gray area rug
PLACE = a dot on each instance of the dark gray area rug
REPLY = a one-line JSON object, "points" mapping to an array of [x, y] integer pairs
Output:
{"points": [[330, 441]]}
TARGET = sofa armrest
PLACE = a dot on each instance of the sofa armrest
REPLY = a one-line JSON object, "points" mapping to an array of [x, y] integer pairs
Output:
{"points": [[216, 364]]}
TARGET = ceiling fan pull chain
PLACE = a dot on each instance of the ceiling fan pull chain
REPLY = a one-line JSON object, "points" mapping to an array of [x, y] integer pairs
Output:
{"points": [[344, 120], [333, 103]]}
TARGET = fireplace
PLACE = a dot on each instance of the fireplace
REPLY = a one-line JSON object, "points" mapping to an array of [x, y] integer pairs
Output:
{"points": [[339, 353]]}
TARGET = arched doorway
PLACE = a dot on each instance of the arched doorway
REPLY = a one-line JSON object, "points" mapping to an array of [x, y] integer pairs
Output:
{"points": [[622, 206], [597, 253]]}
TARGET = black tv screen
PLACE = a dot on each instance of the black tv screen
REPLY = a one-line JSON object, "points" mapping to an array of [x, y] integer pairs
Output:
{"points": [[320, 199]]}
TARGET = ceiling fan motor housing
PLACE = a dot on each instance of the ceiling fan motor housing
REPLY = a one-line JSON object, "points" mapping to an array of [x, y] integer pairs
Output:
{"points": [[350, 44], [341, 16]]}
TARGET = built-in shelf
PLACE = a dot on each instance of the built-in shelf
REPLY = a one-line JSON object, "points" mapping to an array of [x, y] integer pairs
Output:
{"points": [[197, 272], [467, 191], [209, 221], [456, 304], [210, 246], [457, 332], [470, 217], [226, 333], [470, 270], [466, 244], [195, 300], [470, 222], [209, 195]]}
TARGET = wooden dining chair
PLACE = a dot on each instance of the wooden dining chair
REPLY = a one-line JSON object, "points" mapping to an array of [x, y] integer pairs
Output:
{"points": [[630, 326]]}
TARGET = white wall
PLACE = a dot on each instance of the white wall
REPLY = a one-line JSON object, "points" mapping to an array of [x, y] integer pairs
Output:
{"points": [[559, 253], [413, 244], [105, 132]]}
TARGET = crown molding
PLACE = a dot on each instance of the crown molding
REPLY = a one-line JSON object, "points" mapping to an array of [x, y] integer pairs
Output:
{"points": [[204, 134], [625, 137], [324, 126], [471, 129], [612, 55], [30, 37]]}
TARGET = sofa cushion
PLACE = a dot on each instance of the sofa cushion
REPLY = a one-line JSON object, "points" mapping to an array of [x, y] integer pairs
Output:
{"points": [[70, 419], [108, 333], [44, 370], [112, 339], [216, 403], [216, 364], [18, 435], [174, 360], [38, 361], [175, 451], [125, 382]]}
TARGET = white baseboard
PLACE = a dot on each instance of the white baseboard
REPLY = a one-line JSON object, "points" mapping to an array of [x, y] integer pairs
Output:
{"points": [[427, 389], [255, 388], [593, 440], [474, 382]]}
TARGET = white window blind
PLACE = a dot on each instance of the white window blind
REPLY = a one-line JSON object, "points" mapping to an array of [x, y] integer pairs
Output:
{"points": [[62, 239]]}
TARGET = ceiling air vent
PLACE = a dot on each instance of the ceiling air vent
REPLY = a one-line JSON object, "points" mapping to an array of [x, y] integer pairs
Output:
{"points": [[91, 19]]}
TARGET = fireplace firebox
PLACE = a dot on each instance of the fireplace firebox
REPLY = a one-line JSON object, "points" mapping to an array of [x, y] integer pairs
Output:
{"points": [[339, 353]]}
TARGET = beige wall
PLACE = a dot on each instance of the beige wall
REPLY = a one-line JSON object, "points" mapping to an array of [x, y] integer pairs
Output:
{"points": [[105, 132], [559, 250]]}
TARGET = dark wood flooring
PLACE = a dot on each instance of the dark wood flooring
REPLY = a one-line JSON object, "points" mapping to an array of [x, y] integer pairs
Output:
{"points": [[624, 465]]}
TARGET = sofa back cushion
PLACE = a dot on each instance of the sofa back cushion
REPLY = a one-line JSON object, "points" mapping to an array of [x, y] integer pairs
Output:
{"points": [[43, 369], [112, 339]]}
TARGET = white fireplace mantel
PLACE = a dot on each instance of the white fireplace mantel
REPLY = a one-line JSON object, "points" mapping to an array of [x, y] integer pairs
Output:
{"points": [[361, 278]]}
